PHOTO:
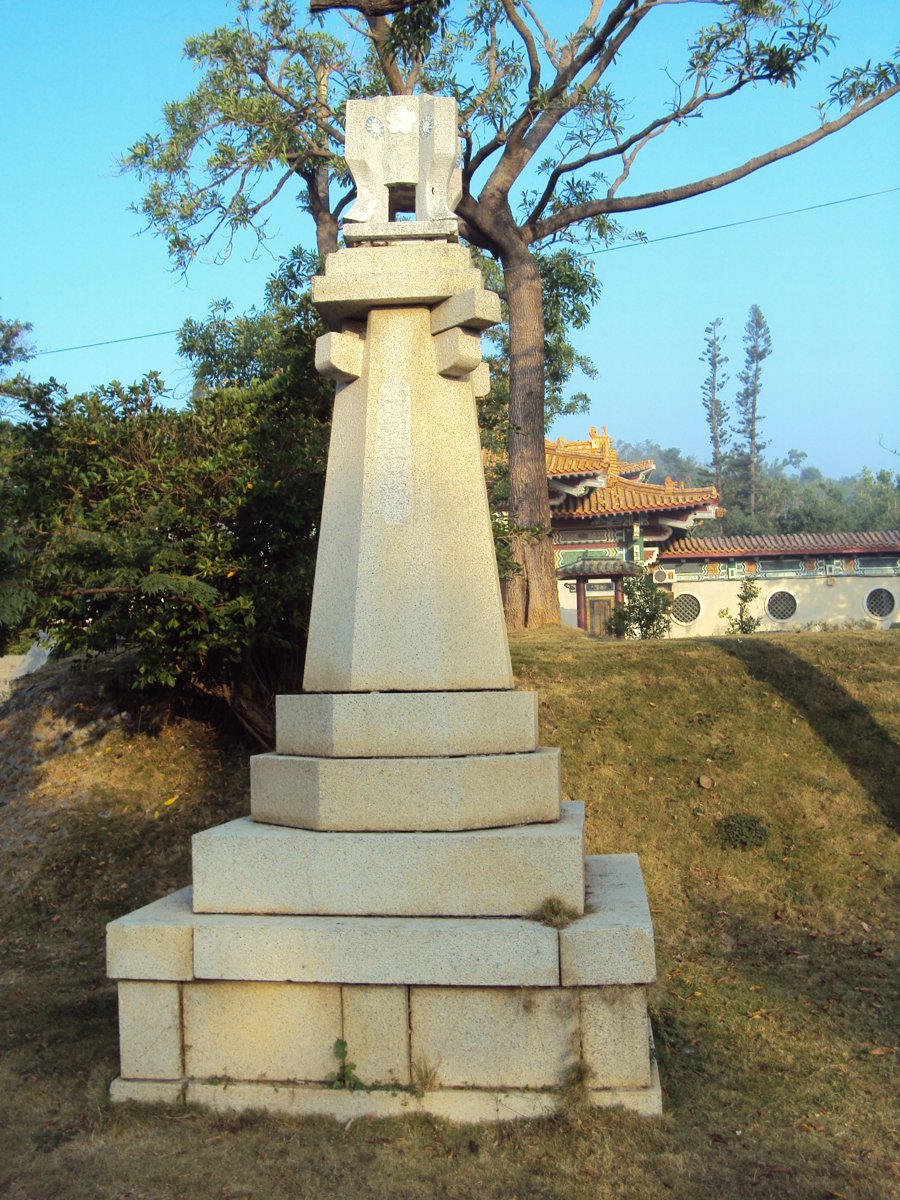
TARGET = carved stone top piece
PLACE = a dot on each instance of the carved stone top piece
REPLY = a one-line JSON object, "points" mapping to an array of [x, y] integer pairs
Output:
{"points": [[404, 155]]}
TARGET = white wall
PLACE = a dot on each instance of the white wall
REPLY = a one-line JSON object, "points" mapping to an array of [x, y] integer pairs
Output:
{"points": [[821, 600]]}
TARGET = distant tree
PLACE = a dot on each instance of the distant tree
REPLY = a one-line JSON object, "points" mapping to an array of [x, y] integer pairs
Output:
{"points": [[645, 613], [875, 502], [748, 456], [670, 462], [717, 414], [13, 348], [549, 145]]}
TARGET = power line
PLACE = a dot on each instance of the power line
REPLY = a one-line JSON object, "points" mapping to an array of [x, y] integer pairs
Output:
{"points": [[139, 337], [791, 212]]}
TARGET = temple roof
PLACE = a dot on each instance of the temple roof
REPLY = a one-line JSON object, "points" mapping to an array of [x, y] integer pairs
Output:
{"points": [[632, 496], [594, 456], [778, 544]]}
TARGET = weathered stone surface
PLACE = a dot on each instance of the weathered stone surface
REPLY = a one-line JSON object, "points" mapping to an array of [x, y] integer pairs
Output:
{"points": [[480, 380], [613, 941], [153, 942], [475, 309], [383, 794], [463, 1106], [253, 1031], [358, 279], [457, 353], [406, 596], [615, 1036], [150, 1045], [406, 724], [411, 141], [493, 1037], [499, 952], [146, 1091], [339, 356], [376, 1030], [245, 866]]}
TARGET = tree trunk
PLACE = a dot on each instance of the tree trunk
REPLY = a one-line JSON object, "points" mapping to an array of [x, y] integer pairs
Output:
{"points": [[532, 598]]}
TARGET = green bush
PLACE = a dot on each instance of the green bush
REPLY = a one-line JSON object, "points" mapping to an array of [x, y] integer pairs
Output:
{"points": [[645, 613], [188, 535]]}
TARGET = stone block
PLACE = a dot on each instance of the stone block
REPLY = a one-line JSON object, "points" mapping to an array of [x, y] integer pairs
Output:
{"points": [[339, 356], [401, 231], [460, 951], [476, 308], [150, 1045], [645, 1102], [613, 941], [481, 380], [146, 1091], [153, 942], [298, 1101], [457, 353], [493, 1037], [416, 272], [385, 794], [376, 1030], [406, 596], [615, 1036], [458, 1105], [245, 866], [406, 724], [276, 1031]]}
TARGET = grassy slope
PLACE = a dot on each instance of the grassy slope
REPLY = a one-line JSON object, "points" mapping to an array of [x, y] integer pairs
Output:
{"points": [[773, 1004]]}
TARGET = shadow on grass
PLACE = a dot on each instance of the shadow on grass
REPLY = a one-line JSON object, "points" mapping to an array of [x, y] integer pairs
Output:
{"points": [[845, 725]]}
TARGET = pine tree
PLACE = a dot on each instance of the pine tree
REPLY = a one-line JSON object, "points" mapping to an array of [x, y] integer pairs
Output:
{"points": [[757, 348], [717, 415]]}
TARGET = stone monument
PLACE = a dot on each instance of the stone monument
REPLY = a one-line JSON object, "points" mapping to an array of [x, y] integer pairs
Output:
{"points": [[379, 906]]}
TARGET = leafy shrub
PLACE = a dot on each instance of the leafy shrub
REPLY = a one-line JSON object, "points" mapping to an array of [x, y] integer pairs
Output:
{"points": [[645, 613]]}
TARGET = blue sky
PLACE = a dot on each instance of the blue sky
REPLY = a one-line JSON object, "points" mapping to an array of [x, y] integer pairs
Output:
{"points": [[88, 80]]}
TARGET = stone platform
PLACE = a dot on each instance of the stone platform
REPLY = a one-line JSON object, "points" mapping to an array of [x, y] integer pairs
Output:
{"points": [[467, 1018]]}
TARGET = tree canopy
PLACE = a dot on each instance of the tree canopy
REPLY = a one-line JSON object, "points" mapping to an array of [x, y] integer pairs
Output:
{"points": [[187, 536], [549, 145]]}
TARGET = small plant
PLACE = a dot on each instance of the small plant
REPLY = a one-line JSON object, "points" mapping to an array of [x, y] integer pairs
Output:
{"points": [[345, 1076], [425, 1075], [645, 613], [743, 622], [741, 831], [555, 913]]}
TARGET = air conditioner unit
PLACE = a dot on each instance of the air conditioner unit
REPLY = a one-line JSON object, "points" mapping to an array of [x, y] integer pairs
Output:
{"points": [[662, 576]]}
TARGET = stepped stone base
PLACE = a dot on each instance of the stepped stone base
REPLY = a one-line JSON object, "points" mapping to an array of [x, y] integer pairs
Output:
{"points": [[406, 724], [414, 794], [245, 866], [471, 1019], [460, 1105]]}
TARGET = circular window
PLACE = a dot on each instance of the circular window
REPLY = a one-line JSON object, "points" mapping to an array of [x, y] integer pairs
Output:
{"points": [[879, 603], [781, 606], [686, 608]]}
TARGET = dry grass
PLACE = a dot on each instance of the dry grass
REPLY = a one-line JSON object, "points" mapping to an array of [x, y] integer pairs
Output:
{"points": [[772, 1013]]}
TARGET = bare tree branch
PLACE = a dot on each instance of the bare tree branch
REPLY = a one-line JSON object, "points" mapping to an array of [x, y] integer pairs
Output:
{"points": [[595, 208]]}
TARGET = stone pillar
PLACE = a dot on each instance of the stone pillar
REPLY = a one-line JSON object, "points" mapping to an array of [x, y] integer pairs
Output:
{"points": [[407, 839]]}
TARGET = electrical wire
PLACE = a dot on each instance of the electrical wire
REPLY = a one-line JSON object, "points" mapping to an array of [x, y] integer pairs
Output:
{"points": [[791, 212]]}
